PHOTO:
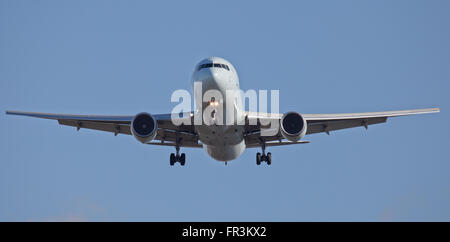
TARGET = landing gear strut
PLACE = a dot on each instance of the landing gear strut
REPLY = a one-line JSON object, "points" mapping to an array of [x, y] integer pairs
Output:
{"points": [[174, 158], [263, 157]]}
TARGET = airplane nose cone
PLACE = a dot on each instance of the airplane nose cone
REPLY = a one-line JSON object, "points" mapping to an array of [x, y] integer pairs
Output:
{"points": [[211, 79]]}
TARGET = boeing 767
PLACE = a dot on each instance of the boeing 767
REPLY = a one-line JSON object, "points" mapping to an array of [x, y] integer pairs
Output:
{"points": [[222, 141]]}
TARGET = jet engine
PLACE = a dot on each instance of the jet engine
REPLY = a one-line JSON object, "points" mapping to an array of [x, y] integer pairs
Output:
{"points": [[293, 126], [144, 127]]}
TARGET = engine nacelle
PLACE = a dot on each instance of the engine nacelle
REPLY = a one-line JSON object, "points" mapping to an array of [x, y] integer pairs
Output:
{"points": [[293, 126], [144, 127]]}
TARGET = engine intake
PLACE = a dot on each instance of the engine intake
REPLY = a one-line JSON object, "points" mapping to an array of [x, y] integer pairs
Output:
{"points": [[144, 127], [293, 126]]}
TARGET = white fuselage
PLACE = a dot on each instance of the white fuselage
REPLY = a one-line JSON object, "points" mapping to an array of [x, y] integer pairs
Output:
{"points": [[222, 140]]}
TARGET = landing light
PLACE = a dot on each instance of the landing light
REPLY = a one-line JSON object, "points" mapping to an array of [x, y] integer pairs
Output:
{"points": [[214, 103]]}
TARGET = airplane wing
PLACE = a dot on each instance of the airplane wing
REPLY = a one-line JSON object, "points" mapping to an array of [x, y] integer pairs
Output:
{"points": [[120, 124], [325, 123], [166, 134]]}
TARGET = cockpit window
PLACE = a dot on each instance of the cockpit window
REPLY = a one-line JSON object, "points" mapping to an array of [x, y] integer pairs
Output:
{"points": [[209, 65]]}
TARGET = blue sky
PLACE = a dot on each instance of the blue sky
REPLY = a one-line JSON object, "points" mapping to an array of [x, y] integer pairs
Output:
{"points": [[125, 57]]}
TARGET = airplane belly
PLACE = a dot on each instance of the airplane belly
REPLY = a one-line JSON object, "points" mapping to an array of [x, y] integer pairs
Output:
{"points": [[220, 134], [222, 142], [225, 152]]}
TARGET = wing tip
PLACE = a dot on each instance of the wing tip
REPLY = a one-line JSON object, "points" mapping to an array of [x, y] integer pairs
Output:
{"points": [[13, 112], [430, 110]]}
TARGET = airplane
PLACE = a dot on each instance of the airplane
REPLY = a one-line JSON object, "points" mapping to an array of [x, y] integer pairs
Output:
{"points": [[222, 142]]}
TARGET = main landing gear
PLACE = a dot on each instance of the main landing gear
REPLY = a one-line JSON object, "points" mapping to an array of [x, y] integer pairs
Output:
{"points": [[263, 157], [174, 158]]}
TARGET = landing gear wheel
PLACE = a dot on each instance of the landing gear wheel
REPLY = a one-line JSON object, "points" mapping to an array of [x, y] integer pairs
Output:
{"points": [[258, 158], [182, 159], [269, 158], [172, 159]]}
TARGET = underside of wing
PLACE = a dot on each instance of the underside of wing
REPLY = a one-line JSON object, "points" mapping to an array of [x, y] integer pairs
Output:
{"points": [[173, 144], [167, 132], [276, 143], [327, 126], [318, 123]]}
